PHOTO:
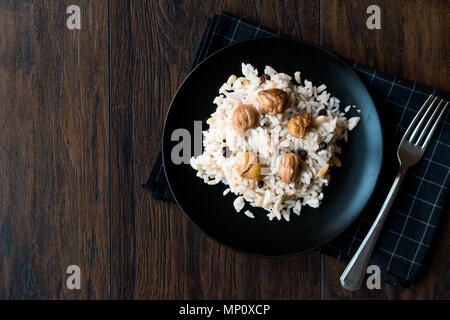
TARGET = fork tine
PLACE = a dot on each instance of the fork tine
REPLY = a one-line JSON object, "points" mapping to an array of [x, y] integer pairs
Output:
{"points": [[416, 118], [430, 135], [422, 120], [429, 122]]}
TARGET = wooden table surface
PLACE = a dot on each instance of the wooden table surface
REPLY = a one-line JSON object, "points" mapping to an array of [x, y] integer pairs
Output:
{"points": [[81, 116]]}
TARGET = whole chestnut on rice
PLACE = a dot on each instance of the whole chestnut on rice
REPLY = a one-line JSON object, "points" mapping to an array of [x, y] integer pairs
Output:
{"points": [[298, 125], [244, 117], [272, 101], [289, 168]]}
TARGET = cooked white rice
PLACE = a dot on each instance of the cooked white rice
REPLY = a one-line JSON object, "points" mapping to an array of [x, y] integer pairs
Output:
{"points": [[271, 140]]}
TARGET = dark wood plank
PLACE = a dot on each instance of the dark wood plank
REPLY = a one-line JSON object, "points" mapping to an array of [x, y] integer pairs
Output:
{"points": [[54, 173], [412, 43], [157, 252]]}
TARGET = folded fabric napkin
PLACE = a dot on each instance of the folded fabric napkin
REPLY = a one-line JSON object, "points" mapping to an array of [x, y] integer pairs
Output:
{"points": [[412, 222]]}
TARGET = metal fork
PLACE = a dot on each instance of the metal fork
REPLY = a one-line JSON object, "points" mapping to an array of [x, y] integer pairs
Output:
{"points": [[411, 149]]}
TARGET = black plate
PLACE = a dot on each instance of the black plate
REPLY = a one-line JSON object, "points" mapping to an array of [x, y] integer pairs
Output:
{"points": [[351, 185]]}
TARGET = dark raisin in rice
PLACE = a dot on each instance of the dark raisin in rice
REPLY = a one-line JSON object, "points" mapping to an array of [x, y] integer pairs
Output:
{"points": [[225, 152], [264, 78], [302, 154], [323, 112], [323, 145], [260, 184]]}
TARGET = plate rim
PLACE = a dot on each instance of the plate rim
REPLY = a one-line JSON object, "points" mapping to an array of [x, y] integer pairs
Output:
{"points": [[381, 141]]}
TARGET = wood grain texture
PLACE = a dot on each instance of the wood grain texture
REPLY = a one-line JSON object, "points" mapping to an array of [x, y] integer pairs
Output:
{"points": [[413, 43], [54, 173], [157, 252], [58, 137]]}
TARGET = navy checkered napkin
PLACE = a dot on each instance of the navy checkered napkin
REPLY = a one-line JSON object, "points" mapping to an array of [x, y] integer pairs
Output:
{"points": [[412, 222]]}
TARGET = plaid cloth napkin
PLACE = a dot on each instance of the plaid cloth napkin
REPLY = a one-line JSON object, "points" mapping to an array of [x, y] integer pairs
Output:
{"points": [[412, 222]]}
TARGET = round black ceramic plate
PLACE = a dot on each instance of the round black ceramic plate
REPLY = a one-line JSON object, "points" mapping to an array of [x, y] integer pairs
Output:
{"points": [[351, 185]]}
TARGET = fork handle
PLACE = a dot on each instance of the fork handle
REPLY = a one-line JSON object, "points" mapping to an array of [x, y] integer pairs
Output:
{"points": [[353, 275]]}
